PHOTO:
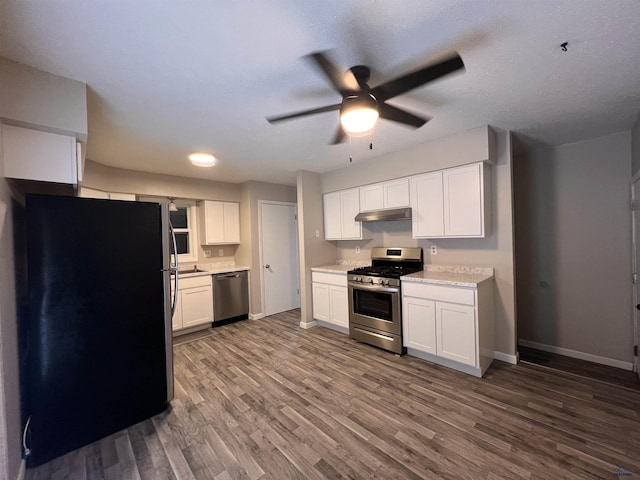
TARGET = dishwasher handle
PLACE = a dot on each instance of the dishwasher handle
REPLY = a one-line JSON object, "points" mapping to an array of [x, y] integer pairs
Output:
{"points": [[230, 275]]}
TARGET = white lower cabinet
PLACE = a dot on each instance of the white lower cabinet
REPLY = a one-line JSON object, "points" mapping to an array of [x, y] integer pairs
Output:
{"points": [[449, 325], [419, 318], [456, 332], [330, 298], [194, 306]]}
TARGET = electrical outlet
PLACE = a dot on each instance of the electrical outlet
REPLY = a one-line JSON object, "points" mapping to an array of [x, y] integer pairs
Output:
{"points": [[357, 248], [221, 253], [207, 253], [317, 233], [434, 250]]}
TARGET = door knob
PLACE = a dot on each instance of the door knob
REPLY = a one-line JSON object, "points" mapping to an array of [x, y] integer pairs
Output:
{"points": [[267, 266], [638, 307]]}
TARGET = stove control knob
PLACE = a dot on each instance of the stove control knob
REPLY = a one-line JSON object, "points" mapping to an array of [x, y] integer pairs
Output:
{"points": [[381, 281], [371, 281], [359, 279]]}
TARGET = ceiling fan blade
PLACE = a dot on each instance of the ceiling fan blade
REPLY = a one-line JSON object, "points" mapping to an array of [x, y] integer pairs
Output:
{"points": [[396, 114], [339, 136], [288, 116], [345, 83], [413, 80]]}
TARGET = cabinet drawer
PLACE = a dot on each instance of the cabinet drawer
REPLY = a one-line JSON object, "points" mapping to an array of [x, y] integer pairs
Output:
{"points": [[329, 278], [191, 282], [441, 293]]}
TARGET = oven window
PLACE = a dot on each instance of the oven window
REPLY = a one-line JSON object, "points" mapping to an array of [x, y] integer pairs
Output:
{"points": [[373, 304]]}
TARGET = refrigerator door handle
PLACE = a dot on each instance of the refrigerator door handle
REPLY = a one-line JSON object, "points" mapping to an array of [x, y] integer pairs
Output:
{"points": [[174, 269]]}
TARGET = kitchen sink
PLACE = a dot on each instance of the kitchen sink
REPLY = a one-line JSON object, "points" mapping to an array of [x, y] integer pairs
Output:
{"points": [[193, 269]]}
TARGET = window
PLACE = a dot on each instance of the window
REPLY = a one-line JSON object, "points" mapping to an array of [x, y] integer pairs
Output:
{"points": [[184, 228]]}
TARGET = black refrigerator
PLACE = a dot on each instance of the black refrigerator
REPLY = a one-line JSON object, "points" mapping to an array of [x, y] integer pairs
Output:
{"points": [[96, 348]]}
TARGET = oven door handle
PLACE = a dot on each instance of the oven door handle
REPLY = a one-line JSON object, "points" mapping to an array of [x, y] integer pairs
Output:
{"points": [[374, 288]]}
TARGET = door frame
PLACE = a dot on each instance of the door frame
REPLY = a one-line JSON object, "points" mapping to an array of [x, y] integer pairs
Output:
{"points": [[261, 251], [635, 264]]}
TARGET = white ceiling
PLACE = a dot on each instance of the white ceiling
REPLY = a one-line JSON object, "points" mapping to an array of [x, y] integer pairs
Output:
{"points": [[167, 77]]}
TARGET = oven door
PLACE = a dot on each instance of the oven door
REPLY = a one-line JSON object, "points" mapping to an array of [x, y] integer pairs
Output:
{"points": [[375, 307]]}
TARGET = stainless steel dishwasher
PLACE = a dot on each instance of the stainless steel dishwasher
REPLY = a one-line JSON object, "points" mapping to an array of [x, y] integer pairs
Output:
{"points": [[230, 296]]}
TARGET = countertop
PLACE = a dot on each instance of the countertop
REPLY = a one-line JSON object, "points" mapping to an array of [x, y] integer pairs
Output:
{"points": [[458, 276], [343, 269], [212, 269]]}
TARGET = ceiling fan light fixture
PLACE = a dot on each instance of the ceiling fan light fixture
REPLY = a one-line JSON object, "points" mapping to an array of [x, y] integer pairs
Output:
{"points": [[359, 114], [200, 159]]}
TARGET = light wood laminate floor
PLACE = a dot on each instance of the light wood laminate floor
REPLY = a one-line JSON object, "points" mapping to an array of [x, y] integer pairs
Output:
{"points": [[263, 399]]}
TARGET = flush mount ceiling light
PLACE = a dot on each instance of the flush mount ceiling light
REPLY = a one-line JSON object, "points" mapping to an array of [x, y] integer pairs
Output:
{"points": [[359, 114], [202, 159]]}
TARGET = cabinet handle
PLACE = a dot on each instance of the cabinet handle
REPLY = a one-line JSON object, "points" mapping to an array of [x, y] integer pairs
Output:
{"points": [[267, 266]]}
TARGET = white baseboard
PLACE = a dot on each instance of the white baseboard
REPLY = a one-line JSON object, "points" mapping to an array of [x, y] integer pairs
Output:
{"points": [[505, 357], [612, 362], [307, 325], [256, 316]]}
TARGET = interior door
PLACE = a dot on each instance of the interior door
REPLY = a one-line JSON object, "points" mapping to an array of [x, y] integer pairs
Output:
{"points": [[279, 235], [635, 222]]}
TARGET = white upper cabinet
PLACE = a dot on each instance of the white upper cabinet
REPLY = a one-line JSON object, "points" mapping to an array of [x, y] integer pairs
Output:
{"points": [[392, 194], [219, 222], [42, 156], [92, 193], [371, 197], [463, 201], [451, 203], [427, 205], [396, 193], [340, 210]]}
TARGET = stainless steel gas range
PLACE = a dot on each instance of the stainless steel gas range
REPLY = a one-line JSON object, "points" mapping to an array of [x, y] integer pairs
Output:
{"points": [[375, 304]]}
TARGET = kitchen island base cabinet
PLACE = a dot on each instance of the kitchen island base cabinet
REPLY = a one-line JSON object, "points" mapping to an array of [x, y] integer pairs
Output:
{"points": [[194, 306], [448, 325], [330, 300]]}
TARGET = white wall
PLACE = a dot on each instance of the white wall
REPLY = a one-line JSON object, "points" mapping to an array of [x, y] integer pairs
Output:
{"points": [[119, 180], [573, 237], [248, 252], [497, 250], [38, 99], [314, 250]]}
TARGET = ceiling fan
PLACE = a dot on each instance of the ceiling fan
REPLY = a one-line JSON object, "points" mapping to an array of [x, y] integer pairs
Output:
{"points": [[362, 105]]}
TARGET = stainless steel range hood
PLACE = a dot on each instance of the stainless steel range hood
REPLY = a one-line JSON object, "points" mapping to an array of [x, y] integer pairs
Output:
{"points": [[384, 215]]}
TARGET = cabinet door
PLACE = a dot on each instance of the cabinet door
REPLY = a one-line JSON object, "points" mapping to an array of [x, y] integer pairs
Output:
{"points": [[35, 155], [339, 304], [129, 197], [463, 207], [350, 207], [197, 306], [427, 216], [371, 197], [332, 216], [91, 193], [321, 302], [456, 328], [213, 222], [231, 222], [396, 193], [419, 324]]}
